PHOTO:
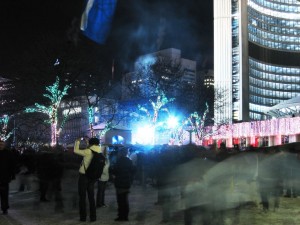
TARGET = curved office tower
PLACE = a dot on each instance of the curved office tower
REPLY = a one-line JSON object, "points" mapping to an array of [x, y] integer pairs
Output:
{"points": [[257, 56]]}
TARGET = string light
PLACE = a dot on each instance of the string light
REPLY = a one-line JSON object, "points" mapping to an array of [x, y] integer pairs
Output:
{"points": [[265, 128], [157, 106], [55, 97], [4, 122]]}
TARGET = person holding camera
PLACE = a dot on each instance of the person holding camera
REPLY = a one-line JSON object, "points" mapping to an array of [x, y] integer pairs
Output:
{"points": [[85, 184]]}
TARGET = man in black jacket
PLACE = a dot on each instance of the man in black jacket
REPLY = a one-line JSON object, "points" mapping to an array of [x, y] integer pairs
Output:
{"points": [[123, 172], [7, 173]]}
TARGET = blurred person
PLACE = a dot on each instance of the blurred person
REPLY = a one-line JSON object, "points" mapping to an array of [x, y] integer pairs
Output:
{"points": [[102, 182], [123, 172], [46, 171], [166, 184], [27, 168], [133, 156], [7, 174], [223, 153], [270, 178], [193, 195], [292, 169], [85, 184]]}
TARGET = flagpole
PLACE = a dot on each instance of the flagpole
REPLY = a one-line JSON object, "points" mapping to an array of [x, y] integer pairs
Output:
{"points": [[113, 69]]}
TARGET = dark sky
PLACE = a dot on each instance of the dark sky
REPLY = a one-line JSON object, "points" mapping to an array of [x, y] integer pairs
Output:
{"points": [[139, 27]]}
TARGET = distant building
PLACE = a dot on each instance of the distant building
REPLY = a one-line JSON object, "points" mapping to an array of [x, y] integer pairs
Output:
{"points": [[6, 96], [208, 78], [106, 108], [165, 58], [77, 123]]}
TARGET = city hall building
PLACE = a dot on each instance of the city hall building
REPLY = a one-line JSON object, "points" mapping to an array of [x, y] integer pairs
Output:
{"points": [[256, 57]]}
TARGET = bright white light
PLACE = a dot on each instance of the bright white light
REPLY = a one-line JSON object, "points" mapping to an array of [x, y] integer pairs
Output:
{"points": [[172, 122], [144, 135]]}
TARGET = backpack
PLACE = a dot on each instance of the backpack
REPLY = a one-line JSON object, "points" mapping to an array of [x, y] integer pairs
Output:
{"points": [[95, 169]]}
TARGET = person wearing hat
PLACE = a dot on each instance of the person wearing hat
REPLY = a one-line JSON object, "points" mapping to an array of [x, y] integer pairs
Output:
{"points": [[7, 174], [86, 185]]}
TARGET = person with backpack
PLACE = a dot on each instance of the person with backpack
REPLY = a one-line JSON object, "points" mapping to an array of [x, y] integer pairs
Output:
{"points": [[89, 172], [102, 182]]}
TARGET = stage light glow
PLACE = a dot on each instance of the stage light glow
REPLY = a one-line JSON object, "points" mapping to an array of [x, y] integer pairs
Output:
{"points": [[144, 135], [172, 122]]}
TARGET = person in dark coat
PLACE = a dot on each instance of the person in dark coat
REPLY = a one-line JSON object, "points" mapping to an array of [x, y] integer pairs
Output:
{"points": [[123, 172], [7, 173], [44, 172], [27, 167]]}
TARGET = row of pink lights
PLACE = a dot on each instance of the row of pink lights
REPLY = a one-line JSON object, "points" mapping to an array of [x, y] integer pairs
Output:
{"points": [[283, 126]]}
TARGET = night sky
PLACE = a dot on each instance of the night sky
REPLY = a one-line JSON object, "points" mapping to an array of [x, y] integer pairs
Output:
{"points": [[138, 27]]}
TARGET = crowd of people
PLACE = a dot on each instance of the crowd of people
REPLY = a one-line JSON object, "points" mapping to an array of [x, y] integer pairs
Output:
{"points": [[208, 185]]}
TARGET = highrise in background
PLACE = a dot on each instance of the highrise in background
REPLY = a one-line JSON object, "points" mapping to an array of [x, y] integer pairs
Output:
{"points": [[256, 56]]}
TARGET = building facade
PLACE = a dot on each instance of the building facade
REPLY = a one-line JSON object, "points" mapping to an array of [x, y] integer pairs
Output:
{"points": [[256, 56], [208, 78]]}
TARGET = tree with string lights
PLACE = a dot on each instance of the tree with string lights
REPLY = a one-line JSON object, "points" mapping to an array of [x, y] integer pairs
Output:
{"points": [[159, 105], [4, 135], [195, 123], [55, 96], [153, 112]]}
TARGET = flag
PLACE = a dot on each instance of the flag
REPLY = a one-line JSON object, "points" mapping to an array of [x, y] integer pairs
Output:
{"points": [[96, 19]]}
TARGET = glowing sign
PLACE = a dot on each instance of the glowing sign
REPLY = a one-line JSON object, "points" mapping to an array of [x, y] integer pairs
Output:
{"points": [[73, 111]]}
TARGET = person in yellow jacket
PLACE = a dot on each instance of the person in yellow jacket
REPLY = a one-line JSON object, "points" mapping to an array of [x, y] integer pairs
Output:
{"points": [[102, 182], [85, 184]]}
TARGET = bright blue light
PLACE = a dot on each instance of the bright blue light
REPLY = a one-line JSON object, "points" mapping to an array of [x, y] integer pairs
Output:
{"points": [[117, 139], [172, 122], [143, 135]]}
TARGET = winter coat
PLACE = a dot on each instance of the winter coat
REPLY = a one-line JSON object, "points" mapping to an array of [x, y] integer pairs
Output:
{"points": [[123, 171], [87, 155], [7, 166], [48, 166]]}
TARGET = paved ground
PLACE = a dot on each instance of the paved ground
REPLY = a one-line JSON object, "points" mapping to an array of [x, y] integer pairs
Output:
{"points": [[27, 210]]}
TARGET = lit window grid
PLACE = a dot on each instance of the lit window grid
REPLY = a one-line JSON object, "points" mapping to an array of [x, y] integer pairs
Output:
{"points": [[273, 32], [288, 10], [283, 42], [266, 84], [284, 1], [269, 85], [287, 6], [255, 17], [273, 68], [273, 81], [272, 25]]}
